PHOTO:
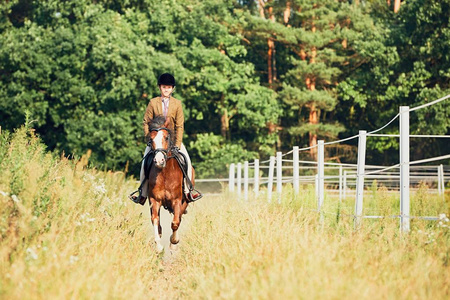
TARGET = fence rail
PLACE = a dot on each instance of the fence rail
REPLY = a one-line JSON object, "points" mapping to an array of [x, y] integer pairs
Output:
{"points": [[401, 175]]}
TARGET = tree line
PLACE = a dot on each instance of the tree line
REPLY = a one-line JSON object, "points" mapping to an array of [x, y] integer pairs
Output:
{"points": [[254, 77]]}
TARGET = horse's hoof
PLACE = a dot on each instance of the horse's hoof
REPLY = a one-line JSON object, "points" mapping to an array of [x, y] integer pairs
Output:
{"points": [[174, 241], [159, 248], [173, 247]]}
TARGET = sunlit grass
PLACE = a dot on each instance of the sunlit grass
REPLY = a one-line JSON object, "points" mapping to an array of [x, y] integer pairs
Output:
{"points": [[68, 232], [255, 250]]}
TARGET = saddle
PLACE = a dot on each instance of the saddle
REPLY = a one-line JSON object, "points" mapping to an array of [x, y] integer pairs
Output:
{"points": [[182, 162]]}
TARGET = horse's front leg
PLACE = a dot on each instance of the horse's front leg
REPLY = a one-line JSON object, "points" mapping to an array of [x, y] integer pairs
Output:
{"points": [[155, 208], [177, 212]]}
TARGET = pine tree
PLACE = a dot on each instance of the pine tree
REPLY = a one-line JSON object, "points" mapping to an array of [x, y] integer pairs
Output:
{"points": [[321, 30]]}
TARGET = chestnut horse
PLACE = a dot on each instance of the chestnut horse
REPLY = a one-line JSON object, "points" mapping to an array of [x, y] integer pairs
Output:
{"points": [[165, 180]]}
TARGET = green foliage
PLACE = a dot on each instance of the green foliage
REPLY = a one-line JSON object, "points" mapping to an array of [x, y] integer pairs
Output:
{"points": [[401, 62], [85, 77], [85, 71]]}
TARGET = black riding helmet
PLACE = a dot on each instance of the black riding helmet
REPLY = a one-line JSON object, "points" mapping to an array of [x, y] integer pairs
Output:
{"points": [[166, 79]]}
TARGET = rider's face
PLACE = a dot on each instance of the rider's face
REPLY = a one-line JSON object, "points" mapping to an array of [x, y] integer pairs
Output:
{"points": [[166, 90]]}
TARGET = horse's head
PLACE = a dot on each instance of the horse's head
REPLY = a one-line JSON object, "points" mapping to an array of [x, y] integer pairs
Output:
{"points": [[160, 139]]}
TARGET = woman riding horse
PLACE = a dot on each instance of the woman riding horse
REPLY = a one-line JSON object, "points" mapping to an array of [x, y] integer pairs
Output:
{"points": [[164, 182], [171, 109], [165, 179]]}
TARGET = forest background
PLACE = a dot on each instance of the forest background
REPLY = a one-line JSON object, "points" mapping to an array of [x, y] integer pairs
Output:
{"points": [[254, 77]]}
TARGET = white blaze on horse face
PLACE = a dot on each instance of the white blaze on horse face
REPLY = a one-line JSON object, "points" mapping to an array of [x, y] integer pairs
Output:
{"points": [[159, 157]]}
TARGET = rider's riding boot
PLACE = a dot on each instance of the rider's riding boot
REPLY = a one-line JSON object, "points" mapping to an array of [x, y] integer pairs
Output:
{"points": [[141, 200]]}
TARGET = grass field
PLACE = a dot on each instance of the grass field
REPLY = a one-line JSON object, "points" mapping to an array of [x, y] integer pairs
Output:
{"points": [[68, 232]]}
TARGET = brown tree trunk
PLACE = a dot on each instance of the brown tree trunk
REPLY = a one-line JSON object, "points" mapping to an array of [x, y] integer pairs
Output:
{"points": [[313, 113], [224, 121], [396, 6], [286, 18], [271, 69], [313, 118], [270, 42], [225, 125], [261, 6], [274, 64], [271, 47], [287, 14], [271, 66]]}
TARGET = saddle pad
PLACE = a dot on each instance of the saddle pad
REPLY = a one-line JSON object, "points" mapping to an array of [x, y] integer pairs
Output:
{"points": [[181, 159]]}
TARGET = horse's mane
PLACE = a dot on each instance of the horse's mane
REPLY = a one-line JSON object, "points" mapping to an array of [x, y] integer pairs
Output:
{"points": [[158, 122]]}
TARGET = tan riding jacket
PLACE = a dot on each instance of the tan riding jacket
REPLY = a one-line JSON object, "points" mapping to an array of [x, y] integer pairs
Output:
{"points": [[175, 113]]}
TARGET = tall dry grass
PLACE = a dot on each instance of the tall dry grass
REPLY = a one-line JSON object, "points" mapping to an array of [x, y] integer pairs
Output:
{"points": [[68, 232]]}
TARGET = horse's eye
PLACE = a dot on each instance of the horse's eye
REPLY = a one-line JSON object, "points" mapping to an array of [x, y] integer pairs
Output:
{"points": [[167, 138]]}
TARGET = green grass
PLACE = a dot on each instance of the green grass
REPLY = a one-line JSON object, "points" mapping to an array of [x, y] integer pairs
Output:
{"points": [[68, 232]]}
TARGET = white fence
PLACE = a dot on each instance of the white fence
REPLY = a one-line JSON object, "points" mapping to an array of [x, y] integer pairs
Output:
{"points": [[401, 175]]}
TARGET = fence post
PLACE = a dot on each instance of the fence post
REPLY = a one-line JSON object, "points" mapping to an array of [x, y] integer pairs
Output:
{"points": [[321, 174], [345, 185], [246, 180], [279, 176], [340, 183], [231, 179], [316, 184], [270, 183], [295, 170], [439, 180], [239, 180], [404, 168], [442, 181], [360, 177], [256, 179]]}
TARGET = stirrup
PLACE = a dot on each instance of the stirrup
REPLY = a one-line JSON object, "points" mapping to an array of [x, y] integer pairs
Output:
{"points": [[191, 196], [132, 197], [137, 199]]}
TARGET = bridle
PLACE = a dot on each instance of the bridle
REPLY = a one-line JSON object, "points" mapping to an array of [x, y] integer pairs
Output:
{"points": [[165, 152]]}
